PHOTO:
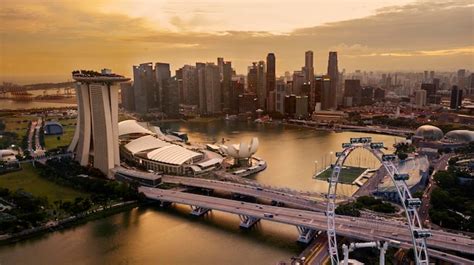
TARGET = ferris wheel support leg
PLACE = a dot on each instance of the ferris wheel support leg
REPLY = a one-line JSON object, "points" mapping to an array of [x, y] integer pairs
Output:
{"points": [[383, 248], [345, 251]]}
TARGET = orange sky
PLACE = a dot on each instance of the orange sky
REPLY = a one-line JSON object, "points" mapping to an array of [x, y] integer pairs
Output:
{"points": [[44, 40]]}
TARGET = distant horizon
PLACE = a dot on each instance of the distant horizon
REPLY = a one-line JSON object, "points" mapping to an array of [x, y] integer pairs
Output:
{"points": [[62, 78]]}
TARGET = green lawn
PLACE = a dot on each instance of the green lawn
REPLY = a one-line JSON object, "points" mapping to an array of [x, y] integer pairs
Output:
{"points": [[29, 180], [54, 141], [347, 175]]}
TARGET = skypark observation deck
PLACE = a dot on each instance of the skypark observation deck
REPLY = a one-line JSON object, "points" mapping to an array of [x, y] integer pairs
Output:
{"points": [[308, 222]]}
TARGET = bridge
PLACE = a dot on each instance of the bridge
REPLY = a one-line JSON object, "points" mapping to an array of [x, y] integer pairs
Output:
{"points": [[309, 222], [294, 201]]}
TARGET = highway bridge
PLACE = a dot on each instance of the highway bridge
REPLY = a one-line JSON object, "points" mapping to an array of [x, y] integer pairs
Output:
{"points": [[308, 222], [294, 201]]}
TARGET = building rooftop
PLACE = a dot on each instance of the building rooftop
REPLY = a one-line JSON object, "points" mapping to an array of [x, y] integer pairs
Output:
{"points": [[92, 76], [173, 154]]}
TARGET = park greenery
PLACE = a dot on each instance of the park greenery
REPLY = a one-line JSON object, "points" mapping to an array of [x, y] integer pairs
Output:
{"points": [[56, 190], [365, 202], [452, 201]]}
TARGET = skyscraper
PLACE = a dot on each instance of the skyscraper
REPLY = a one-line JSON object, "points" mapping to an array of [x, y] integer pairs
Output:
{"points": [[456, 97], [162, 78], [188, 85], [143, 87], [271, 81], [201, 80], [226, 85], [212, 88], [252, 78], [126, 93], [308, 68], [95, 140], [324, 85], [462, 79], [420, 98], [352, 92], [261, 88], [333, 74]]}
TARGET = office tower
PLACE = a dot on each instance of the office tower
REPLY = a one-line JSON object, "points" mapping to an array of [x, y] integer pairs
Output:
{"points": [[162, 78], [298, 81], [212, 86], [420, 98], [324, 84], [126, 93], [352, 92], [220, 64], [95, 140], [271, 82], [461, 79], [201, 84], [456, 97], [333, 74], [301, 106], [226, 85], [237, 88], [261, 88], [290, 105], [431, 97], [188, 85], [252, 78], [143, 87], [425, 77], [288, 77], [432, 76], [367, 96], [171, 98], [315, 94], [280, 96], [308, 68]]}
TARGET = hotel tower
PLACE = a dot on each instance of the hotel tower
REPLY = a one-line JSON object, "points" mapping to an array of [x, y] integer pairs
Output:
{"points": [[95, 140]]}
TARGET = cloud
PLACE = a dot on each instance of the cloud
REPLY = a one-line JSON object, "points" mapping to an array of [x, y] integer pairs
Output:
{"points": [[49, 37]]}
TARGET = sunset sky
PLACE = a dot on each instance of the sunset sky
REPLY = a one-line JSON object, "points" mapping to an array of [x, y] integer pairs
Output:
{"points": [[44, 40]]}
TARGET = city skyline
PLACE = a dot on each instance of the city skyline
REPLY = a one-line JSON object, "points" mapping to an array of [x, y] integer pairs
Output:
{"points": [[96, 34]]}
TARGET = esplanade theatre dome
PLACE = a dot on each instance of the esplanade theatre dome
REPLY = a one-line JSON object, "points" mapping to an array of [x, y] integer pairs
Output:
{"points": [[429, 132], [462, 136]]}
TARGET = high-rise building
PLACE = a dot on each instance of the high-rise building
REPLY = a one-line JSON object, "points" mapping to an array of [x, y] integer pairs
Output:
{"points": [[298, 81], [144, 87], [333, 73], [95, 140], [271, 82], [237, 88], [324, 84], [456, 97], [431, 96], [226, 85], [261, 88], [308, 68], [252, 78], [126, 93], [188, 85], [212, 88], [420, 98], [379, 94], [280, 96], [462, 79], [367, 96], [201, 84], [171, 98], [162, 77], [220, 64], [352, 92]]}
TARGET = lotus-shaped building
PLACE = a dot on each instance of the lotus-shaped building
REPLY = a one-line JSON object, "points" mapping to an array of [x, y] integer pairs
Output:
{"points": [[241, 152]]}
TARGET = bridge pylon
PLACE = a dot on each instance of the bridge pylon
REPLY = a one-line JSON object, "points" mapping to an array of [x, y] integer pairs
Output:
{"points": [[248, 221], [199, 211], [306, 234]]}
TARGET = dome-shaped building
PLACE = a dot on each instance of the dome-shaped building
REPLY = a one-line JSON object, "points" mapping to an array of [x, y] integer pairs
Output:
{"points": [[461, 136], [429, 132]]}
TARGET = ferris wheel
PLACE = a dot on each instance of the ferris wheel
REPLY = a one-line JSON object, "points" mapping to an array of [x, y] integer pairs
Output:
{"points": [[410, 204]]}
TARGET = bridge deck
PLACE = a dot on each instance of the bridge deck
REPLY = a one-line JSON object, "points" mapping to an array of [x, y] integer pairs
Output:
{"points": [[352, 227]]}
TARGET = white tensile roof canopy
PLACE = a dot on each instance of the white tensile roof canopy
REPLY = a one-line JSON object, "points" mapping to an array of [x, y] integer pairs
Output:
{"points": [[144, 143], [132, 127], [172, 154]]}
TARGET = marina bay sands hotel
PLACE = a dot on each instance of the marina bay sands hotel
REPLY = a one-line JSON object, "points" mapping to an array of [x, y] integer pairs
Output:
{"points": [[95, 140]]}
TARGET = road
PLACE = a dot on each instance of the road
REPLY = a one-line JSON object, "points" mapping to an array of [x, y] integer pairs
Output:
{"points": [[440, 164], [357, 228], [295, 201]]}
